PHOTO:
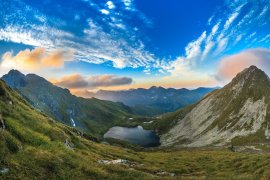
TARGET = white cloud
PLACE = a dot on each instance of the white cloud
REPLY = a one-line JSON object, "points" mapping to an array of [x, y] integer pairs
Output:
{"points": [[267, 37], [128, 4], [230, 20], [209, 44], [147, 71], [110, 5], [210, 20], [207, 49], [215, 29], [104, 11], [193, 49], [222, 44]]}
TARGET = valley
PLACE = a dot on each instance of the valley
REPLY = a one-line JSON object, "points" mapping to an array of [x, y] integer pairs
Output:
{"points": [[90, 115], [35, 146], [134, 90]]}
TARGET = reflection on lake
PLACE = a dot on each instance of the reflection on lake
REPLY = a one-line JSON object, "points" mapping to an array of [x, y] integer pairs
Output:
{"points": [[135, 135]]}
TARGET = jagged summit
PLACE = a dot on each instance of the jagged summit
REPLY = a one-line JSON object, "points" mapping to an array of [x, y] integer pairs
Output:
{"points": [[16, 79], [251, 74], [15, 72]]}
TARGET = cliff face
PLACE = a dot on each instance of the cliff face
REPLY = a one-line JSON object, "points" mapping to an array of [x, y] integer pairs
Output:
{"points": [[237, 113]]}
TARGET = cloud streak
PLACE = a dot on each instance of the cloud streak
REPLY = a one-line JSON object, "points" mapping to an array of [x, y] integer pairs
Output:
{"points": [[76, 81]]}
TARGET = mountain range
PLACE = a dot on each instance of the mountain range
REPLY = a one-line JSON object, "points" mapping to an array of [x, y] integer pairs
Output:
{"points": [[35, 146], [155, 100], [91, 115], [235, 114], [96, 116]]}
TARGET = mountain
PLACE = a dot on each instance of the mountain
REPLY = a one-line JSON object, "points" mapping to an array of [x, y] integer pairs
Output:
{"points": [[35, 146], [92, 115], [155, 100], [236, 114]]}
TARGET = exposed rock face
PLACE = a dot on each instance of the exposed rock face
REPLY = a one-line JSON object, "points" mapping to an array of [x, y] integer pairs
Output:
{"points": [[237, 110]]}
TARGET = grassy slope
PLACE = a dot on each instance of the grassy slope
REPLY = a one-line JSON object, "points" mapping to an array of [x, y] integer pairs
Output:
{"points": [[32, 147], [91, 115]]}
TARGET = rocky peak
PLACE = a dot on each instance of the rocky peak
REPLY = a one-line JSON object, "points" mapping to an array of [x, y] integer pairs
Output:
{"points": [[15, 79], [252, 73], [15, 72], [232, 114]]}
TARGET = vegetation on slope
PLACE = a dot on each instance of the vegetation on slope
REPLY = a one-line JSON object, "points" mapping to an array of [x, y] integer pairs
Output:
{"points": [[91, 115], [34, 146]]}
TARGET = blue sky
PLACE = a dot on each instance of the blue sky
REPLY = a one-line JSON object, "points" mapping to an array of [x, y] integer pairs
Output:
{"points": [[168, 43]]}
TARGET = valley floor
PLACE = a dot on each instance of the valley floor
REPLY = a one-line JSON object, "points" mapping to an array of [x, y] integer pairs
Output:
{"points": [[100, 161]]}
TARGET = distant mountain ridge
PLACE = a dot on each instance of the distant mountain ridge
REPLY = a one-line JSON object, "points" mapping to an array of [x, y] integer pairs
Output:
{"points": [[92, 115], [155, 100], [235, 114]]}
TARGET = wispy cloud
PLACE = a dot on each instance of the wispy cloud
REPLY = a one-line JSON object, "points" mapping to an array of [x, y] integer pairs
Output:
{"points": [[109, 33], [96, 43], [229, 28]]}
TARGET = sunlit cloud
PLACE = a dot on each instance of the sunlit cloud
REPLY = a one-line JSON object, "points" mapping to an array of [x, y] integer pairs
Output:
{"points": [[36, 59], [229, 66]]}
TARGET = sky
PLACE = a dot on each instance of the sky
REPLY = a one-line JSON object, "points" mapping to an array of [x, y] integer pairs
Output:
{"points": [[86, 45]]}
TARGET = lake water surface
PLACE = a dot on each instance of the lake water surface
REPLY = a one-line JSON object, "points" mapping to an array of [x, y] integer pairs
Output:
{"points": [[135, 135]]}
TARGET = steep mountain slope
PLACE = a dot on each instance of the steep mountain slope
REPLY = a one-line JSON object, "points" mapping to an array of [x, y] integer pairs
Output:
{"points": [[155, 100], [92, 115], [237, 113], [34, 146]]}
